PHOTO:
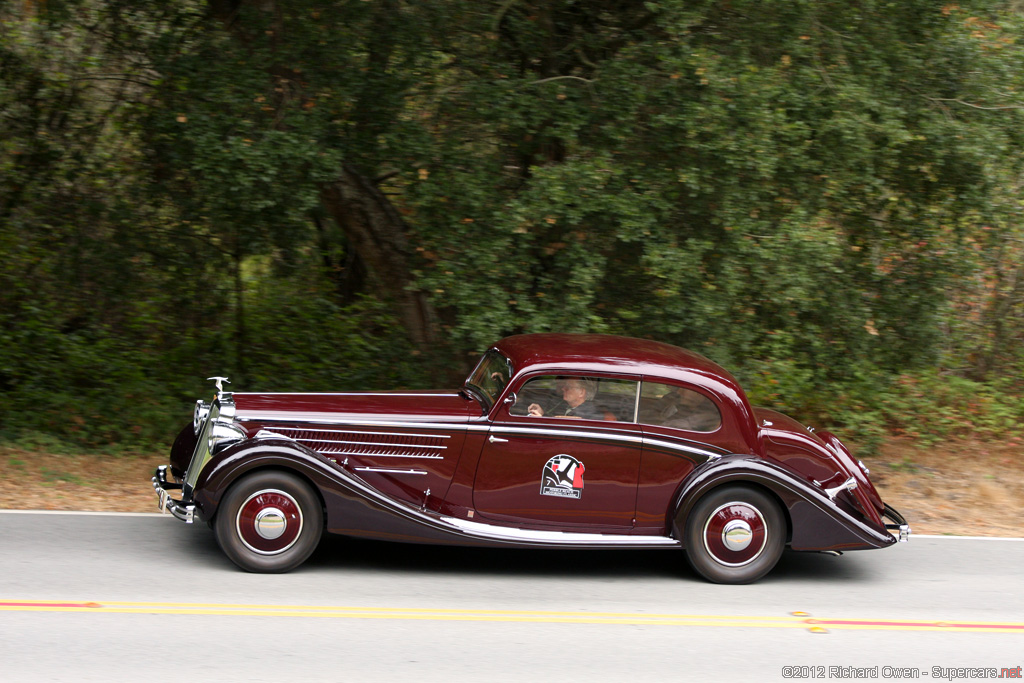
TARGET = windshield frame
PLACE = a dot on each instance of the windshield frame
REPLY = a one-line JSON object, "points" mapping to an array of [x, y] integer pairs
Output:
{"points": [[480, 383]]}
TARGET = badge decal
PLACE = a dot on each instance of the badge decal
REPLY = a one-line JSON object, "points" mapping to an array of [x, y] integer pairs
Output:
{"points": [[563, 477]]}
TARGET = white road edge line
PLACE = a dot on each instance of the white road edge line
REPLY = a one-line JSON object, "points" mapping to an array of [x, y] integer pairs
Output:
{"points": [[947, 537], [967, 538], [81, 512]]}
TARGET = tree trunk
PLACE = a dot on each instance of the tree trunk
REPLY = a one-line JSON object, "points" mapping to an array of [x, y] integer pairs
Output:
{"points": [[375, 230]]}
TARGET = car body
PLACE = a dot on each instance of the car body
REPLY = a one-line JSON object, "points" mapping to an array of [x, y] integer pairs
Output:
{"points": [[665, 451]]}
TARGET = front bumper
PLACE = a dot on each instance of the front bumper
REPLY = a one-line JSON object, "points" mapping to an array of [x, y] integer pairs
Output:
{"points": [[900, 523], [165, 503]]}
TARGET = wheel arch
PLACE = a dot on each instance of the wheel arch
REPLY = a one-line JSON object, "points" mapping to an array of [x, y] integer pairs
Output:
{"points": [[689, 496], [249, 457], [299, 472]]}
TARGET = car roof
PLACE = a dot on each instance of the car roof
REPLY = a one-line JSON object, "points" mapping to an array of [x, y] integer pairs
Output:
{"points": [[611, 353]]}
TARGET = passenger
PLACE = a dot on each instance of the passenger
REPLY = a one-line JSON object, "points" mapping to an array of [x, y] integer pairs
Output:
{"points": [[686, 409], [577, 401]]}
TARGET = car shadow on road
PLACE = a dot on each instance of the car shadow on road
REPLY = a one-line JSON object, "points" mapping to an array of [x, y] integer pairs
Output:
{"points": [[340, 553]]}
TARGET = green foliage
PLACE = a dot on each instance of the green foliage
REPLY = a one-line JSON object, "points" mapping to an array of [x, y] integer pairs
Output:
{"points": [[302, 340], [822, 196]]}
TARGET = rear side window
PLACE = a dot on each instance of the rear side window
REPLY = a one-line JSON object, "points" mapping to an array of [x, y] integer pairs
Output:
{"points": [[668, 405]]}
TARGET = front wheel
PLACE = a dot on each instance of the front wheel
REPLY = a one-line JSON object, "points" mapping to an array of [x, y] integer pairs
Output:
{"points": [[269, 522], [735, 534]]}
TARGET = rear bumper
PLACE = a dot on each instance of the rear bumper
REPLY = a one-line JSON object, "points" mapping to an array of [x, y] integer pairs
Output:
{"points": [[165, 503], [900, 524]]}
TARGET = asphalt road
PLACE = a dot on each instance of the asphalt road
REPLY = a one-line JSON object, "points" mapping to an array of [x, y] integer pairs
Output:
{"points": [[143, 597]]}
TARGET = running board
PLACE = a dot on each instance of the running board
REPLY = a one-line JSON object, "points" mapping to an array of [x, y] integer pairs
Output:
{"points": [[558, 538]]}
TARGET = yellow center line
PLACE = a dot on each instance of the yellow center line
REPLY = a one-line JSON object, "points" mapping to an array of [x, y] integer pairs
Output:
{"points": [[511, 616]]}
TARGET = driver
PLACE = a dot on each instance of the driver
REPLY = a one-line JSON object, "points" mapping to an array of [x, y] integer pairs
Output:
{"points": [[577, 400]]}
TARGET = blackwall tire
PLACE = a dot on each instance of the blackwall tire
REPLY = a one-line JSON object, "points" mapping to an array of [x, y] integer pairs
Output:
{"points": [[269, 522], [735, 535]]}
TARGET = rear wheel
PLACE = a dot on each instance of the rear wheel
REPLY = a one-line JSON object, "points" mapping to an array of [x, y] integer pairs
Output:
{"points": [[269, 522], [735, 534]]}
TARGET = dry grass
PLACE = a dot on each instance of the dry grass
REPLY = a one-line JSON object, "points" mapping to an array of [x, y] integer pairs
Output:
{"points": [[970, 488], [44, 481], [965, 487]]}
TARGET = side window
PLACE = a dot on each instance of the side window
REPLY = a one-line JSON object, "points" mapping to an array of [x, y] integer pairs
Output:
{"points": [[673, 406], [570, 396]]}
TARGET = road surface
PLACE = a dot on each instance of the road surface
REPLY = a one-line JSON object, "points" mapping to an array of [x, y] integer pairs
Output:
{"points": [[94, 597]]}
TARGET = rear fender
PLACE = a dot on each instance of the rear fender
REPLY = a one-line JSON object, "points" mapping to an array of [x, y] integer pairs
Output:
{"points": [[816, 522]]}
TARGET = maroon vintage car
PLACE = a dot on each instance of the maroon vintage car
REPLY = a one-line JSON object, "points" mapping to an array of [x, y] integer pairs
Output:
{"points": [[554, 440]]}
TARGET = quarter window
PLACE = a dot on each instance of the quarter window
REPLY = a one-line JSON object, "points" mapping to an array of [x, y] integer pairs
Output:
{"points": [[669, 405]]}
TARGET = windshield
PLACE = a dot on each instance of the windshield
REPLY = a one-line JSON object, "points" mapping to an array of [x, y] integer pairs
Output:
{"points": [[490, 377]]}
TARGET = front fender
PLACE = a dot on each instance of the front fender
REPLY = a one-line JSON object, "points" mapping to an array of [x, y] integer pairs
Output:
{"points": [[227, 466], [816, 521], [352, 507]]}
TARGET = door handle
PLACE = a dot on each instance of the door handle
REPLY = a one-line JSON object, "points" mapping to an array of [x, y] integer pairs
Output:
{"points": [[494, 439]]}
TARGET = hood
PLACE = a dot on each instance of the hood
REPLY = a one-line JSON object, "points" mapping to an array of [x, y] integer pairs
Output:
{"points": [[405, 406]]}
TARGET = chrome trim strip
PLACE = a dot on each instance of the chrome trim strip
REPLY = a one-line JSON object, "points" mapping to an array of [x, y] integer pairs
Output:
{"points": [[610, 436], [671, 445], [349, 431], [491, 531], [451, 394], [267, 434], [636, 404], [387, 470], [382, 455], [374, 443], [362, 421]]}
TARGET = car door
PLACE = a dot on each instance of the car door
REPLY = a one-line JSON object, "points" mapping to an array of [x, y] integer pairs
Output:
{"points": [[562, 470]]}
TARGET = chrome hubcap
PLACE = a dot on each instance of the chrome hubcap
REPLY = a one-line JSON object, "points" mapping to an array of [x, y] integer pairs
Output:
{"points": [[270, 523], [737, 534]]}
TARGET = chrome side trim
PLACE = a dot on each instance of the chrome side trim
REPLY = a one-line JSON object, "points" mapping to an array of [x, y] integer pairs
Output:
{"points": [[267, 434], [608, 436], [349, 431], [370, 449], [450, 394], [372, 443], [561, 538], [575, 433], [381, 455], [362, 421], [388, 470], [672, 445]]}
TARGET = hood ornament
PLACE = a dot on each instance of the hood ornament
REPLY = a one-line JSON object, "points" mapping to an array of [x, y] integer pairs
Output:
{"points": [[219, 383]]}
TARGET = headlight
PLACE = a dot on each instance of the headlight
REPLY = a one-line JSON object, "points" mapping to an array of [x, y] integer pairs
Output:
{"points": [[199, 415], [223, 435]]}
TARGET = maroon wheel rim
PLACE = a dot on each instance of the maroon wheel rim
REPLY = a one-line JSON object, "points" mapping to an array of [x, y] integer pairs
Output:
{"points": [[735, 534], [269, 522]]}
